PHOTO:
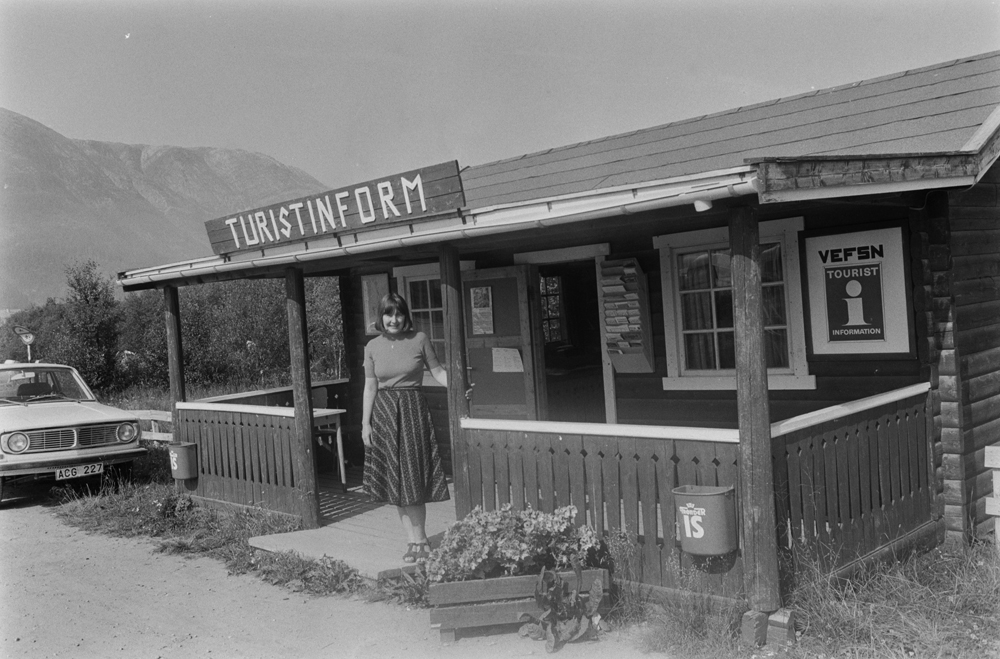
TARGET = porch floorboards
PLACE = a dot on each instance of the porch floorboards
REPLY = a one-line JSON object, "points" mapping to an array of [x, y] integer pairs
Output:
{"points": [[367, 536]]}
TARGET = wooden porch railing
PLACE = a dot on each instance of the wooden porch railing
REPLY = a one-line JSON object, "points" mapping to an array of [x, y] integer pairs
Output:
{"points": [[853, 478], [244, 453], [848, 479], [619, 477]]}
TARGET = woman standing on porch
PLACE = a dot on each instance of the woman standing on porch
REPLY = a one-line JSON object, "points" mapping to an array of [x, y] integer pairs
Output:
{"points": [[402, 465]]}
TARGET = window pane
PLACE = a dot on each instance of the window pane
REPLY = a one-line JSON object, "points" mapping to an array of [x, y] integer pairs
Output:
{"points": [[699, 351], [439, 352], [418, 295], [776, 348], [724, 308], [774, 305], [552, 306], [770, 263], [435, 286], [693, 271], [553, 331], [696, 310], [422, 322], [727, 350], [721, 268], [437, 325]]}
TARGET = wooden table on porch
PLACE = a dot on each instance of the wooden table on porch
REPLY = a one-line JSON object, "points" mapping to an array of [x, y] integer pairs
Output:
{"points": [[325, 434]]}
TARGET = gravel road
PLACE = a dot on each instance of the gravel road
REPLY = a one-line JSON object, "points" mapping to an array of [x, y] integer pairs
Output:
{"points": [[66, 593]]}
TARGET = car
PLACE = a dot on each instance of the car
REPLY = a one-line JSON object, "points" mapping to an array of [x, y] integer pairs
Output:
{"points": [[53, 430]]}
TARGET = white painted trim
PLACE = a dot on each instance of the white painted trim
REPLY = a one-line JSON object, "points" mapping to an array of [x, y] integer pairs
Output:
{"points": [[239, 409], [287, 412], [564, 255], [723, 435], [797, 375], [845, 409]]}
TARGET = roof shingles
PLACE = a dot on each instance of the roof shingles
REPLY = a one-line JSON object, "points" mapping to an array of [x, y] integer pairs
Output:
{"points": [[928, 110]]}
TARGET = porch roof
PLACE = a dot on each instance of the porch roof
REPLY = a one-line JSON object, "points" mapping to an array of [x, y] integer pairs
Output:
{"points": [[932, 127]]}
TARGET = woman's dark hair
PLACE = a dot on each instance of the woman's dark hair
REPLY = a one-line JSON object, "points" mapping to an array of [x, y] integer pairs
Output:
{"points": [[391, 303]]}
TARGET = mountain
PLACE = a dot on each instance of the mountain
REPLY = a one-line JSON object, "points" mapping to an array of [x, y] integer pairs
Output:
{"points": [[124, 206]]}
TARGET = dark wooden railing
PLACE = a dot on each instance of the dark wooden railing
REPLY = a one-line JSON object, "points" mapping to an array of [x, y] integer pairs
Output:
{"points": [[854, 478], [620, 478], [849, 479], [244, 453]]}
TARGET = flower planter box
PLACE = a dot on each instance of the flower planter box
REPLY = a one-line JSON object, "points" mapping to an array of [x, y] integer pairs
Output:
{"points": [[484, 602]]}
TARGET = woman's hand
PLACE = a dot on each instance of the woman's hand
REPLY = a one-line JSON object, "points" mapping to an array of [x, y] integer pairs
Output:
{"points": [[366, 434]]}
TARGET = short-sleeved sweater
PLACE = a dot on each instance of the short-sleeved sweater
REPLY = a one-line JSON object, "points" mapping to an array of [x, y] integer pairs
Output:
{"points": [[398, 361]]}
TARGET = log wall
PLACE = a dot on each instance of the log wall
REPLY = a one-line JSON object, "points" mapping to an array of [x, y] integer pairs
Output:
{"points": [[970, 404]]}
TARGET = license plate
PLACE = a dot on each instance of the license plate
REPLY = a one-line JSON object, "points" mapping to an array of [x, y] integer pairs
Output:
{"points": [[79, 471]]}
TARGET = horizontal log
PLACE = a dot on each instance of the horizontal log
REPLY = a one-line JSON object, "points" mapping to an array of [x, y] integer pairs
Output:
{"points": [[984, 241], [977, 315], [960, 467], [973, 340], [970, 291], [982, 194], [981, 363], [982, 412], [975, 266], [968, 218], [957, 492]]}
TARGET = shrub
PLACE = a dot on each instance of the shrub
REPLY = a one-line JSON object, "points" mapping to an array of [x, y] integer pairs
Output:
{"points": [[506, 542]]}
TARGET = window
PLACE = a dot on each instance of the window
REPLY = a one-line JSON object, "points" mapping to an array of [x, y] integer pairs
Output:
{"points": [[427, 308], [698, 308], [420, 285], [553, 315]]}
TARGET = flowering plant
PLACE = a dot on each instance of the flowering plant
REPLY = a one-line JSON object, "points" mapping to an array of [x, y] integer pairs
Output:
{"points": [[509, 542]]}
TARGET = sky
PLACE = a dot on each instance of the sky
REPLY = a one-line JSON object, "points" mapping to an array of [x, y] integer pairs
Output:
{"points": [[350, 91]]}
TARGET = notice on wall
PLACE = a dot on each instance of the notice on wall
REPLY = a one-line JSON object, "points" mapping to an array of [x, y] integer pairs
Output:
{"points": [[507, 360], [858, 293], [482, 310]]}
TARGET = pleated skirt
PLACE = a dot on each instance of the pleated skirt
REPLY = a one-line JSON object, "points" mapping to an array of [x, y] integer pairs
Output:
{"points": [[402, 465]]}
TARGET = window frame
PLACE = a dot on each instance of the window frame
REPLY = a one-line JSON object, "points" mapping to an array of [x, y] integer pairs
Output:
{"points": [[796, 374]]}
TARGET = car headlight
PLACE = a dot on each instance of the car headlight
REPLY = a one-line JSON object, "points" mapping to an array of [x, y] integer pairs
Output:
{"points": [[127, 432], [17, 442]]}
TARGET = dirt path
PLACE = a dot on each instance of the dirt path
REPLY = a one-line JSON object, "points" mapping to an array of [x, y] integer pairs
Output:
{"points": [[64, 593]]}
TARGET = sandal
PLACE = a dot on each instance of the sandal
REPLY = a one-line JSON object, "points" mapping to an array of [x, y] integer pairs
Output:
{"points": [[423, 550], [411, 553]]}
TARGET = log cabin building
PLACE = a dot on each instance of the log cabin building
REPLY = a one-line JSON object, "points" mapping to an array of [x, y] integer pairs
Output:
{"points": [[800, 298]]}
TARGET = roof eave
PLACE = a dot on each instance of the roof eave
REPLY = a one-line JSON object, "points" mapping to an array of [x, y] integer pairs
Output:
{"points": [[472, 222]]}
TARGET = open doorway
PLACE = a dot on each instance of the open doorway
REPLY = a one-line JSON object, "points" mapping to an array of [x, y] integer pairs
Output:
{"points": [[571, 329]]}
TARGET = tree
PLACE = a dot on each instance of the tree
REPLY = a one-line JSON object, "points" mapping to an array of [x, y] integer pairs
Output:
{"points": [[89, 338]]}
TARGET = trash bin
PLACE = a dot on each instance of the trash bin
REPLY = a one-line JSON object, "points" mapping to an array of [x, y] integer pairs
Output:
{"points": [[183, 460], [706, 517]]}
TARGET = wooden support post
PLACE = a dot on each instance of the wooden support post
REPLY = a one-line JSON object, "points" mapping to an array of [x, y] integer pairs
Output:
{"points": [[175, 352], [756, 480], [303, 459], [458, 383]]}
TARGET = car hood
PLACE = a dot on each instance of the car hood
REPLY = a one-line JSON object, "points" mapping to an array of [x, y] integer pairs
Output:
{"points": [[55, 414]]}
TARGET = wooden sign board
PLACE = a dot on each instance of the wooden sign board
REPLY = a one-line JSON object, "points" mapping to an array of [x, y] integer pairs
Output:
{"points": [[416, 195]]}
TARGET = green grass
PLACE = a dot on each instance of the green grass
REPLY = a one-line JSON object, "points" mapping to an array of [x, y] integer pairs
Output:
{"points": [[941, 604], [155, 510]]}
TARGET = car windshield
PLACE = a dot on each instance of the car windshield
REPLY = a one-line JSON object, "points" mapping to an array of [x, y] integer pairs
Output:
{"points": [[41, 383]]}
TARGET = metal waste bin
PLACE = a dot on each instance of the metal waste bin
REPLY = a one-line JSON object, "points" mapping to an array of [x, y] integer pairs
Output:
{"points": [[706, 517], [183, 460]]}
